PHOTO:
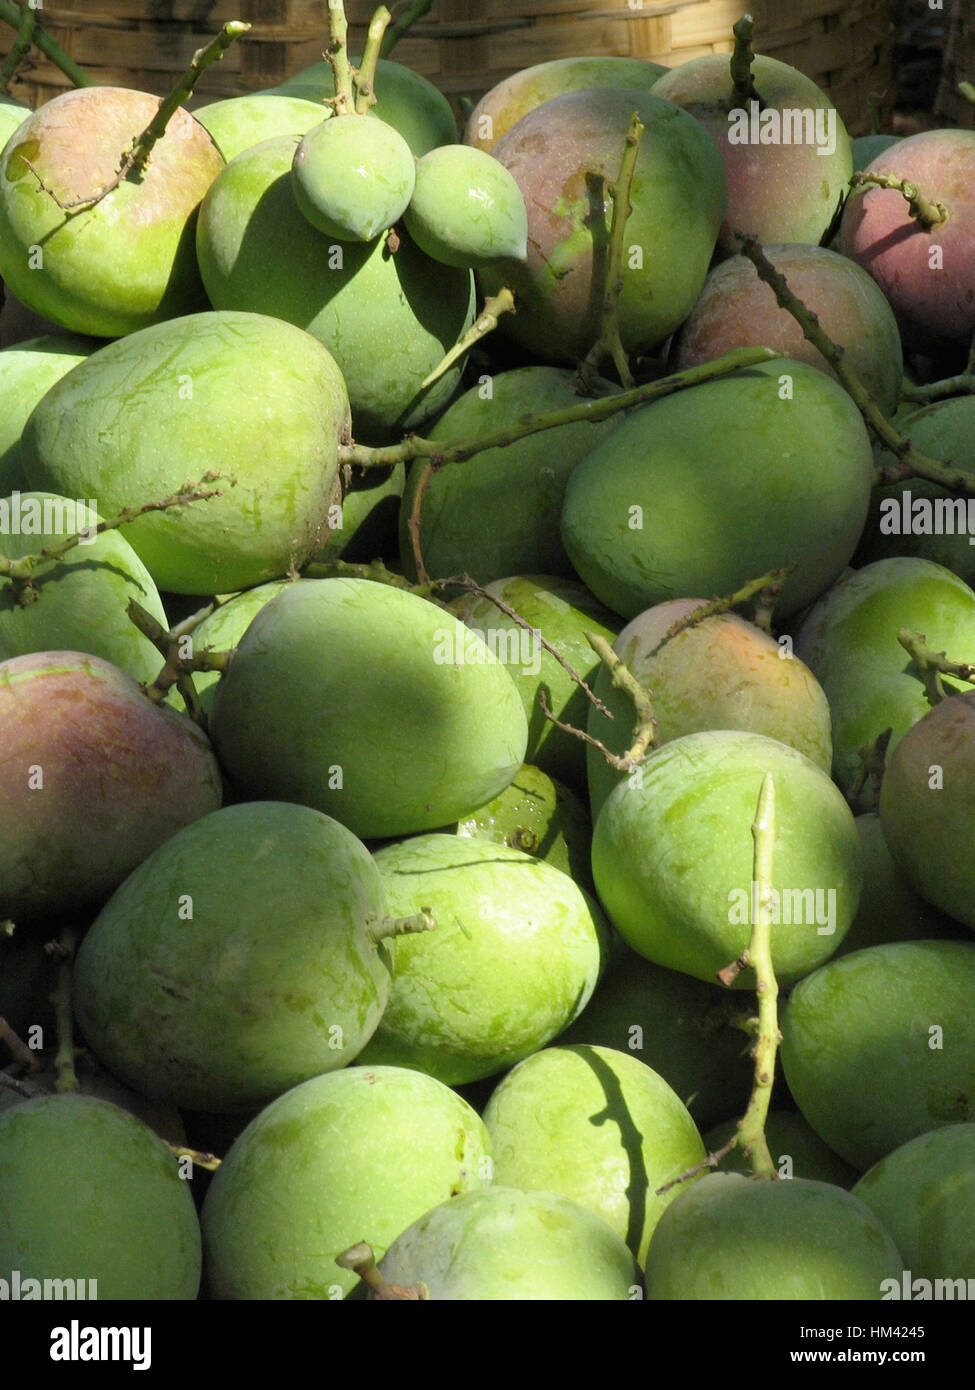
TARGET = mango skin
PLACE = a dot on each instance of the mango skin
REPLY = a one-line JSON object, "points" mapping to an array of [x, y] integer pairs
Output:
{"points": [[562, 155], [505, 104], [272, 980], [722, 673], [732, 1237], [597, 1126], [934, 308], [927, 815], [82, 598], [126, 262], [250, 398], [313, 709], [353, 178], [737, 309], [357, 1154], [849, 641], [671, 849], [732, 479], [516, 954], [777, 192], [408, 102], [943, 430], [239, 123], [504, 1244], [466, 209], [857, 1046], [924, 1193], [498, 514], [27, 372], [387, 318], [89, 1192], [12, 116], [120, 775], [563, 611]]}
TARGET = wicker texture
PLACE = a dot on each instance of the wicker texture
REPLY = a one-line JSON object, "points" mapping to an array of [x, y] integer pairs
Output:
{"points": [[466, 46], [959, 65]]}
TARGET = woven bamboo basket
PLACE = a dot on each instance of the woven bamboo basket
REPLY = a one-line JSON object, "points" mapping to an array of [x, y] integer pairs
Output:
{"points": [[466, 46], [959, 65]]}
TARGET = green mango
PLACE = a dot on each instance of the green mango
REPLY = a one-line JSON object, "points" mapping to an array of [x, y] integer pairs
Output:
{"points": [[91, 1195], [125, 261], [81, 599], [239, 123], [927, 799], [866, 148], [502, 1244], [358, 1154], [466, 209], [596, 1126], [498, 514], [924, 1193], [672, 856], [516, 954], [890, 909], [562, 611], [849, 642], [405, 100], [27, 372], [12, 116], [732, 1237], [539, 816], [372, 705], [710, 487], [721, 673], [353, 177], [241, 395], [795, 1148], [920, 518], [681, 1027], [387, 318], [364, 525], [879, 1047], [193, 985], [93, 777]]}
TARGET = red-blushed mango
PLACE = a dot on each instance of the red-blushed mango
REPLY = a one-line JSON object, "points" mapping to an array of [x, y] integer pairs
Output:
{"points": [[720, 673], [505, 104], [927, 273], [243, 396], [370, 704], [787, 156], [93, 777], [737, 309], [563, 156], [123, 262], [708, 488]]}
